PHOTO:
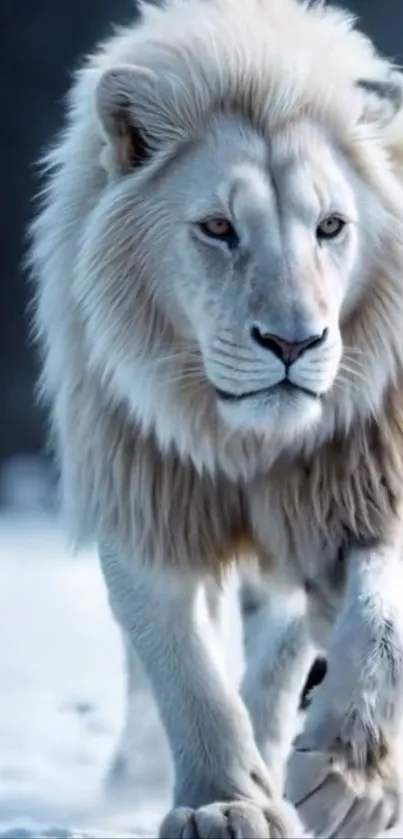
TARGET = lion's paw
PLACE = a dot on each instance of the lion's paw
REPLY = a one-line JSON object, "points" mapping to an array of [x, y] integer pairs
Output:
{"points": [[233, 820], [336, 800]]}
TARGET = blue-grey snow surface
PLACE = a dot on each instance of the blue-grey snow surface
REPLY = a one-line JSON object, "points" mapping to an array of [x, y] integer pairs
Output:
{"points": [[62, 696]]}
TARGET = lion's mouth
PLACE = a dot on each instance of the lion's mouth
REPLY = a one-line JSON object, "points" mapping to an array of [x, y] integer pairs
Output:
{"points": [[282, 387]]}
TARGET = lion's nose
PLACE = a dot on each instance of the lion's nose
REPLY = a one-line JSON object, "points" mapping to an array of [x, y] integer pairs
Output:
{"points": [[286, 351]]}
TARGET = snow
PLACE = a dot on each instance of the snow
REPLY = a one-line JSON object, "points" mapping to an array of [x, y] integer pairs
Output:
{"points": [[62, 693]]}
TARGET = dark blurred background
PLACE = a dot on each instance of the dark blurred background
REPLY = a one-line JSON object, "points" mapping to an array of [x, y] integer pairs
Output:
{"points": [[40, 43]]}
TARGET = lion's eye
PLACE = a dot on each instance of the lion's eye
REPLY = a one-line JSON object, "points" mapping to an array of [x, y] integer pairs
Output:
{"points": [[221, 229], [330, 227]]}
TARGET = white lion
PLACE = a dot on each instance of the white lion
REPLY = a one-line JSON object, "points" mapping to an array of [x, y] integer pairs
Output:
{"points": [[219, 264]]}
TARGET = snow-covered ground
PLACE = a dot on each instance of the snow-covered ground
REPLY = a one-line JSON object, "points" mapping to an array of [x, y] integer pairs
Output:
{"points": [[62, 693], [62, 697]]}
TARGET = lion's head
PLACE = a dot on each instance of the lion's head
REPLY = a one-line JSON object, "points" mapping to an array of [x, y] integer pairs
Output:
{"points": [[240, 251]]}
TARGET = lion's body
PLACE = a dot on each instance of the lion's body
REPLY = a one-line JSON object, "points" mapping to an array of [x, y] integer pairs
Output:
{"points": [[130, 330]]}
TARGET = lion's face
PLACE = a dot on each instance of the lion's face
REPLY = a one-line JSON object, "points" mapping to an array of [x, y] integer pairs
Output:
{"points": [[257, 246], [234, 256], [266, 248]]}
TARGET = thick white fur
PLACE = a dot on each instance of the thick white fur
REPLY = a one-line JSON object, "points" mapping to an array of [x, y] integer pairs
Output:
{"points": [[279, 653], [354, 723], [248, 109]]}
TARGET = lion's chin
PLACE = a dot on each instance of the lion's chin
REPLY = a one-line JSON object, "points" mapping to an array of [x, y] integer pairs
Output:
{"points": [[282, 413]]}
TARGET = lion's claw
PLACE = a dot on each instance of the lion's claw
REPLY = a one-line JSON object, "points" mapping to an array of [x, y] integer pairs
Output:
{"points": [[336, 801], [233, 820]]}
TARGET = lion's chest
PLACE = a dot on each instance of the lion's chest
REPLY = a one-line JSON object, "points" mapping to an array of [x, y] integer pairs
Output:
{"points": [[301, 544], [307, 516]]}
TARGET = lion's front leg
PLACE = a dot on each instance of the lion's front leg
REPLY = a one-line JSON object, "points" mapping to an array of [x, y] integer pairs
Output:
{"points": [[279, 655], [222, 786], [344, 773]]}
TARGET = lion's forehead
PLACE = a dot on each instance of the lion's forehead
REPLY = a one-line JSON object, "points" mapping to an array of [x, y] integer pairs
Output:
{"points": [[270, 59]]}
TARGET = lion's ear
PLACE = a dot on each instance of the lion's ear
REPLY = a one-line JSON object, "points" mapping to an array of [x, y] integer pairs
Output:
{"points": [[380, 101], [131, 104]]}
